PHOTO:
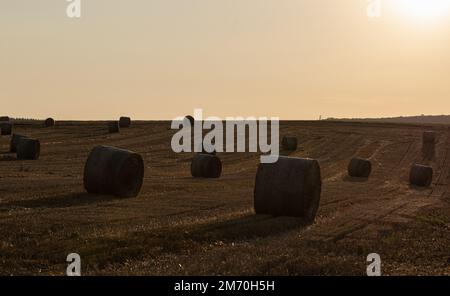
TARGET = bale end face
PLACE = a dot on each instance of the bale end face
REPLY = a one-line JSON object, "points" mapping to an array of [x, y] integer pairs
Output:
{"points": [[289, 143], [289, 187], [49, 122], [359, 168], [6, 128], [206, 166], [421, 175], [114, 171], [124, 122], [113, 127], [28, 149]]}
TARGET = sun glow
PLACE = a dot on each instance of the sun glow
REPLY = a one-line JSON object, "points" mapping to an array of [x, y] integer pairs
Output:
{"points": [[422, 10]]}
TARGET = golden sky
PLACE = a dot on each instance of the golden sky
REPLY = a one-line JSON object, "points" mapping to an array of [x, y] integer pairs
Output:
{"points": [[158, 59]]}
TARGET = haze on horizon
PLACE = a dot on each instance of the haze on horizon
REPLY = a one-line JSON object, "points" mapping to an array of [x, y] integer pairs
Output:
{"points": [[158, 59]]}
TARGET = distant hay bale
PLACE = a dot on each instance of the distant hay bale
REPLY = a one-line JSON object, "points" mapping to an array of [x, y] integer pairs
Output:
{"points": [[359, 168], [28, 149], [289, 143], [289, 187], [124, 122], [421, 175], [206, 166], [49, 122], [429, 137], [113, 127], [4, 118], [110, 170], [6, 128], [15, 142]]}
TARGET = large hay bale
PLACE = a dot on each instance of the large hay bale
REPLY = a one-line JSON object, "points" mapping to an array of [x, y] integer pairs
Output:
{"points": [[289, 143], [124, 122], [110, 170], [289, 187], [421, 175], [113, 127], [359, 168], [28, 149], [15, 142], [49, 122], [4, 118], [206, 166], [6, 128], [429, 137]]}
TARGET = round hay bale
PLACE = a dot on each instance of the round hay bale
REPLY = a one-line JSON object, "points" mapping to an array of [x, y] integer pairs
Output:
{"points": [[289, 143], [49, 122], [429, 137], [15, 142], [359, 168], [124, 122], [4, 118], [206, 166], [110, 170], [113, 127], [28, 149], [289, 187], [6, 128], [421, 175]]}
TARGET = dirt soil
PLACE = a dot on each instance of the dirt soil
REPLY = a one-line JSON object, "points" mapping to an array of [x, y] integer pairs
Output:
{"points": [[179, 225]]}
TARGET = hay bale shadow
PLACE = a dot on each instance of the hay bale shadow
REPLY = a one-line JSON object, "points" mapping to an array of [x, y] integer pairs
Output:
{"points": [[419, 188], [8, 157], [246, 227], [60, 201], [347, 178]]}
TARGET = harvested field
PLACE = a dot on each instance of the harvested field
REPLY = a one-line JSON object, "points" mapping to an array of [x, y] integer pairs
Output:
{"points": [[180, 225]]}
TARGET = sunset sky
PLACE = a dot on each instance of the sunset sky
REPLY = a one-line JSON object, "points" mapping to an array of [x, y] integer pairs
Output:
{"points": [[158, 59]]}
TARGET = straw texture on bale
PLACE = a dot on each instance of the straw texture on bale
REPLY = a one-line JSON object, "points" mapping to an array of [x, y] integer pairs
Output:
{"points": [[15, 142], [49, 122], [124, 122], [429, 137], [289, 143], [359, 168], [113, 127], [206, 166], [4, 118], [6, 128], [421, 175], [114, 171], [29, 149], [289, 187]]}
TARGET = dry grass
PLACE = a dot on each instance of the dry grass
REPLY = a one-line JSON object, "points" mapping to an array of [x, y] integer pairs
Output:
{"points": [[182, 225]]}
